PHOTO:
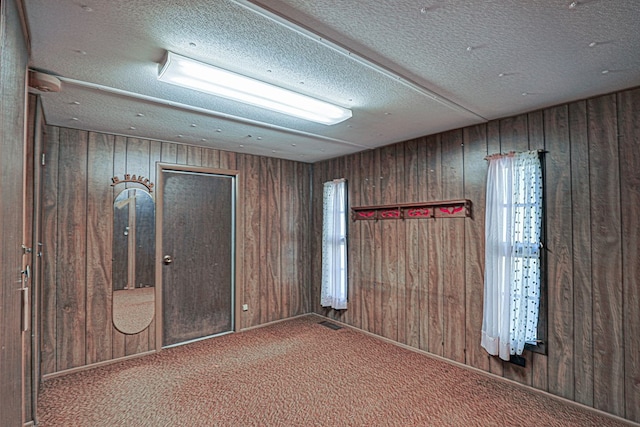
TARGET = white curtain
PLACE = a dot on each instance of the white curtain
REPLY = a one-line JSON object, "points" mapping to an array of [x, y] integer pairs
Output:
{"points": [[334, 246], [512, 253]]}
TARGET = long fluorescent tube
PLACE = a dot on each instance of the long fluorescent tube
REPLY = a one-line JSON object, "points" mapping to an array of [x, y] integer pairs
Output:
{"points": [[185, 72]]}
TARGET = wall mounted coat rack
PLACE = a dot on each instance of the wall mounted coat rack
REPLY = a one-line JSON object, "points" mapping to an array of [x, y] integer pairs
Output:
{"points": [[439, 209]]}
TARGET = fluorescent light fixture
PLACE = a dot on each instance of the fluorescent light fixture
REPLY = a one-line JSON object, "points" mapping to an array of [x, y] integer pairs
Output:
{"points": [[185, 72]]}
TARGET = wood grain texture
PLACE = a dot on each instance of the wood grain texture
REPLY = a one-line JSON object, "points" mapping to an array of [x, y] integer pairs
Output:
{"points": [[436, 256], [559, 254], [597, 268], [401, 280], [606, 264], [13, 64], [368, 309], [272, 264], [453, 249], [48, 329], [304, 187], [475, 171], [423, 252], [251, 243], [288, 225], [109, 156], [72, 225], [99, 243], [411, 255], [354, 242], [388, 232], [629, 131]]}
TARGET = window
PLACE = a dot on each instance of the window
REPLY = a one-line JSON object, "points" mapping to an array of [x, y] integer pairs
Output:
{"points": [[334, 245], [512, 253]]}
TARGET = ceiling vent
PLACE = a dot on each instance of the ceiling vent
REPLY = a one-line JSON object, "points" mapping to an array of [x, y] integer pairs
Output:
{"points": [[42, 83]]}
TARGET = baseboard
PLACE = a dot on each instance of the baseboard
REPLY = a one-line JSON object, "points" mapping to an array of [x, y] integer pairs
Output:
{"points": [[485, 373], [95, 365], [273, 322]]}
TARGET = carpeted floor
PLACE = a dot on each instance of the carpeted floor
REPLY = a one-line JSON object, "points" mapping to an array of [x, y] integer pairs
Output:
{"points": [[296, 373]]}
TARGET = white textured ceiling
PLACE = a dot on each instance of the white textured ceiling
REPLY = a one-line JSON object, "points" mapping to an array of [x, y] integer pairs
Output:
{"points": [[405, 68]]}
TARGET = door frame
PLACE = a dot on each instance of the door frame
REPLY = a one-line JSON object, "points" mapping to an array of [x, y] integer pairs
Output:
{"points": [[236, 238]]}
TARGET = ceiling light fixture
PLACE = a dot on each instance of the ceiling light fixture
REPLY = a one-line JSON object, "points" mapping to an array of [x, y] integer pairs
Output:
{"points": [[185, 72]]}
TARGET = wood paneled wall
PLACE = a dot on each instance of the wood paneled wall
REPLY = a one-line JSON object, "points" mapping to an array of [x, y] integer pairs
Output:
{"points": [[78, 215], [14, 57], [420, 282]]}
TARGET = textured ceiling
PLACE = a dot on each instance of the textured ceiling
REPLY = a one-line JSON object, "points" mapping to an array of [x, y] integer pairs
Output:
{"points": [[405, 68]]}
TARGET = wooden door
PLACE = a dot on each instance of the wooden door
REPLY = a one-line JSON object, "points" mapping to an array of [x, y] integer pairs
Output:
{"points": [[197, 255]]}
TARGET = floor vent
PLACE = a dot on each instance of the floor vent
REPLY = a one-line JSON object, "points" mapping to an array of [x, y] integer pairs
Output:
{"points": [[330, 325]]}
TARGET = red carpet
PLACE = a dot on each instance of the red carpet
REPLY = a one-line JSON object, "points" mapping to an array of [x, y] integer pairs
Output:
{"points": [[297, 373]]}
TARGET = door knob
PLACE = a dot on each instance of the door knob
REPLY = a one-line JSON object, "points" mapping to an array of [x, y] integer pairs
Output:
{"points": [[167, 259]]}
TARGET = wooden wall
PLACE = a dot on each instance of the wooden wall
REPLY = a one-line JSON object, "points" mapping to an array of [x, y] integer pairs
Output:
{"points": [[420, 282], [13, 63], [78, 208]]}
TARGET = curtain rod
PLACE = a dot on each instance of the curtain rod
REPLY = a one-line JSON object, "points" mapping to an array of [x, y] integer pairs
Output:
{"points": [[509, 154]]}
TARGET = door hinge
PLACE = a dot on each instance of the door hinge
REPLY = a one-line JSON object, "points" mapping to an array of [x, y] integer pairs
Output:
{"points": [[26, 250], [42, 160]]}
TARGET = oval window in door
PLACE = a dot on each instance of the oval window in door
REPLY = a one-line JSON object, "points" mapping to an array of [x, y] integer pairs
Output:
{"points": [[133, 261]]}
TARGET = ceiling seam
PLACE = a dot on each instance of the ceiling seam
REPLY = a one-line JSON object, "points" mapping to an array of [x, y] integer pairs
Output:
{"points": [[301, 29]]}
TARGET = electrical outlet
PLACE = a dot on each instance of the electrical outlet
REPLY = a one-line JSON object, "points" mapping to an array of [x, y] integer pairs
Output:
{"points": [[245, 307]]}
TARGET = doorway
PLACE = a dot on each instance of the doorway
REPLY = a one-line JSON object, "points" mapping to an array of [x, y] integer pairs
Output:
{"points": [[196, 252]]}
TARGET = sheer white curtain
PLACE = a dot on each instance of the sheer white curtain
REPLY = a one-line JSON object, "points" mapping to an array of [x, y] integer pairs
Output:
{"points": [[334, 245], [512, 253]]}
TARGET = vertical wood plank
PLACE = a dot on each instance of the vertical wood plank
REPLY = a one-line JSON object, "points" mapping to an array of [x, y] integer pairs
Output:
{"points": [[389, 246], [252, 244], [274, 243], [181, 154], [354, 242], [377, 247], [72, 226], [228, 160], [288, 232], [424, 245], [315, 241], [194, 155], [412, 260], [211, 158], [305, 174], [265, 281], [539, 361], [629, 131], [401, 279], [436, 255], [367, 162], [582, 285], [606, 255], [169, 152], [99, 247], [559, 252], [48, 333], [475, 172], [453, 242]]}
